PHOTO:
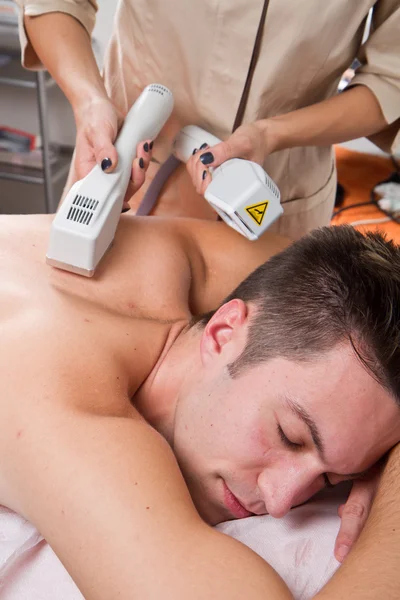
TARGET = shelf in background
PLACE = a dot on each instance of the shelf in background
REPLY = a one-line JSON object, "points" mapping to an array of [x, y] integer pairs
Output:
{"points": [[45, 184], [15, 75], [28, 175]]}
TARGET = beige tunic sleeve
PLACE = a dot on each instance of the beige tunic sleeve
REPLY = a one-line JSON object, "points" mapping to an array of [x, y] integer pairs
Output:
{"points": [[380, 68], [82, 10]]}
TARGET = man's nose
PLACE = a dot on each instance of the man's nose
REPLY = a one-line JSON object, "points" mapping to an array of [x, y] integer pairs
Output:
{"points": [[281, 490]]}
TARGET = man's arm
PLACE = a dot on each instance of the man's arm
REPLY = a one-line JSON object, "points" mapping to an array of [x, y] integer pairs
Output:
{"points": [[371, 570], [107, 494]]}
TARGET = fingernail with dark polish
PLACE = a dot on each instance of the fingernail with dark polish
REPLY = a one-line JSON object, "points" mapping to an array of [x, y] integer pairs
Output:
{"points": [[151, 145], [203, 146], [194, 151], [125, 209], [207, 158], [204, 175], [141, 163], [146, 147], [106, 163]]}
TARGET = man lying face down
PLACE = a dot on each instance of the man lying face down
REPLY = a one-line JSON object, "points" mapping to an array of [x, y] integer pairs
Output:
{"points": [[291, 385]]}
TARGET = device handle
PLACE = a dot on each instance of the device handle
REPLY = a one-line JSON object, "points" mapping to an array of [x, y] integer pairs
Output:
{"points": [[189, 138], [144, 121]]}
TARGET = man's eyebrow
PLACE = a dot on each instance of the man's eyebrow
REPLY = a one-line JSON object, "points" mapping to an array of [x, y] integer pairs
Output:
{"points": [[302, 414]]}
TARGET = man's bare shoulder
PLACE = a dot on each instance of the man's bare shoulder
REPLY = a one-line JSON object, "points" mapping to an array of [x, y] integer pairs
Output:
{"points": [[160, 268], [221, 258], [204, 259]]}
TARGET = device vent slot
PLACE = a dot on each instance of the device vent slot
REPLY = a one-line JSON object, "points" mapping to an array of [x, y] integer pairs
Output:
{"points": [[159, 89], [272, 187], [82, 210]]}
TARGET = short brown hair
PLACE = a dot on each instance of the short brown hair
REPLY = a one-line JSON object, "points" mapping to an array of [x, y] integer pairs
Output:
{"points": [[331, 286]]}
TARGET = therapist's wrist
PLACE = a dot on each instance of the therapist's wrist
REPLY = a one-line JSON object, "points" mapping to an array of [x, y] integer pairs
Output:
{"points": [[82, 96], [273, 135]]}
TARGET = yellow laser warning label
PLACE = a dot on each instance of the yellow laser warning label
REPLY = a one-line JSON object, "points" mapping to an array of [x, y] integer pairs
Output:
{"points": [[257, 211]]}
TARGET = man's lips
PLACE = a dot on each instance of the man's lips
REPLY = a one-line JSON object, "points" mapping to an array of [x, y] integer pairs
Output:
{"points": [[234, 506]]}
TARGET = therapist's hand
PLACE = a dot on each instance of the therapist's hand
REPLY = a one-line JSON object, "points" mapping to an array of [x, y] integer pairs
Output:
{"points": [[98, 122], [355, 511], [249, 141]]}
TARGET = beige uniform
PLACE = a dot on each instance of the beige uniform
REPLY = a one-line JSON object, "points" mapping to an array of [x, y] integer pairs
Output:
{"points": [[203, 50]]}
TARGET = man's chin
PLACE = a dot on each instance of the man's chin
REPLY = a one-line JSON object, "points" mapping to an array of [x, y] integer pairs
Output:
{"points": [[202, 495], [210, 514]]}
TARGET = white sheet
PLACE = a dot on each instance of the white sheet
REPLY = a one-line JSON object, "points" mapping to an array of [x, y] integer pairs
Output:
{"points": [[299, 547]]}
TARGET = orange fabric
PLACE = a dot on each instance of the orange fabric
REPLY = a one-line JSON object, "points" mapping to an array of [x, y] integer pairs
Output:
{"points": [[359, 173]]}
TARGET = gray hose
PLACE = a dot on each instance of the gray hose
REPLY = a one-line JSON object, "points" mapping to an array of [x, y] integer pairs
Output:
{"points": [[153, 191]]}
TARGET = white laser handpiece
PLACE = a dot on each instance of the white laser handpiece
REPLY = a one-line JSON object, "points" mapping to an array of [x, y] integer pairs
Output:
{"points": [[241, 192], [85, 225]]}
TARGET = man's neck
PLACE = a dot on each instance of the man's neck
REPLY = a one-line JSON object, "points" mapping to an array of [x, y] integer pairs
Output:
{"points": [[157, 398]]}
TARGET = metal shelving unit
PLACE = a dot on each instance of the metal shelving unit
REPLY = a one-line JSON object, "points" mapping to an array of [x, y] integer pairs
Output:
{"points": [[13, 74]]}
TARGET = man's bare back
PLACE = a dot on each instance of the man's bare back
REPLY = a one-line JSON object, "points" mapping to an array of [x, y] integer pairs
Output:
{"points": [[74, 352], [158, 271]]}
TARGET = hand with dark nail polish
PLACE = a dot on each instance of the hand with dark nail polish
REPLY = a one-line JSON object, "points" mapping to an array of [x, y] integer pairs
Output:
{"points": [[203, 146], [106, 163], [151, 145], [141, 163], [204, 175], [146, 147], [207, 158], [194, 151]]}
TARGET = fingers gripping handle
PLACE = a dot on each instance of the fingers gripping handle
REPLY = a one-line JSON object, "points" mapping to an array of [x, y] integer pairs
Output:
{"points": [[84, 227], [144, 121], [189, 138], [241, 192]]}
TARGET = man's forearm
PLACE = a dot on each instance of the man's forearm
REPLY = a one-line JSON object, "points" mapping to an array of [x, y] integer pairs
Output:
{"points": [[64, 47], [371, 571], [349, 115]]}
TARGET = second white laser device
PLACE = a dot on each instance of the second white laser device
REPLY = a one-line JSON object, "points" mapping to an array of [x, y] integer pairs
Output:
{"points": [[241, 192], [85, 224]]}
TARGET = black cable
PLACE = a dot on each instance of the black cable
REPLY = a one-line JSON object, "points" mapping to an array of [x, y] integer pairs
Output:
{"points": [[372, 202], [340, 210]]}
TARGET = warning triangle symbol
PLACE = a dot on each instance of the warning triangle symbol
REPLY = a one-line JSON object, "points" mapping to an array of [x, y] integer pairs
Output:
{"points": [[257, 211]]}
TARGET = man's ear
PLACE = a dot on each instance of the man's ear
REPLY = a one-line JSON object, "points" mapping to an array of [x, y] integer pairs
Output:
{"points": [[225, 333]]}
